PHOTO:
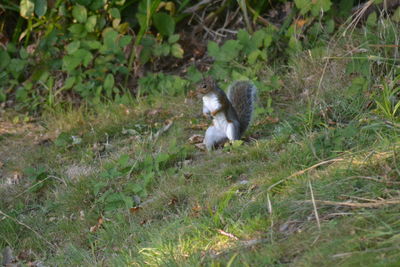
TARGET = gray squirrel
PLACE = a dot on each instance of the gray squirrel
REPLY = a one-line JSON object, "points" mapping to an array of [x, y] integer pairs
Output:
{"points": [[231, 112]]}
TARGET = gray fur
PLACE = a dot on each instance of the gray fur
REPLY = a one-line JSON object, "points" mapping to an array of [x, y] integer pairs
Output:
{"points": [[242, 95]]}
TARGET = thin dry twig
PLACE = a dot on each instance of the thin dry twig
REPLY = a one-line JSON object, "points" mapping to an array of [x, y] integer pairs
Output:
{"points": [[375, 204], [28, 227], [222, 232], [298, 173], [373, 179], [314, 205]]}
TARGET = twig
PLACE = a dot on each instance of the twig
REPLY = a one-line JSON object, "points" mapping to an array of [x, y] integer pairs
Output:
{"points": [[314, 205], [378, 203], [373, 179], [345, 254], [242, 245], [222, 232], [28, 227]]}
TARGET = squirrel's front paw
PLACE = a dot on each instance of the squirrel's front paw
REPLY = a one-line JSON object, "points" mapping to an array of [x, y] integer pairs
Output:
{"points": [[207, 115]]}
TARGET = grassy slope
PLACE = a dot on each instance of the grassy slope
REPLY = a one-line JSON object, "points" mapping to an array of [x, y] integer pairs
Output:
{"points": [[247, 205]]}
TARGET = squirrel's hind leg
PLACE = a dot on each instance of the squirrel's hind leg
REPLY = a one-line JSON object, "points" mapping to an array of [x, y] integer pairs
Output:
{"points": [[214, 137], [232, 131]]}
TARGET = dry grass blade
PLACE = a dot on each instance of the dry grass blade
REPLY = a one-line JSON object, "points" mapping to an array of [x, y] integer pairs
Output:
{"points": [[28, 227], [314, 205], [375, 204], [222, 232]]}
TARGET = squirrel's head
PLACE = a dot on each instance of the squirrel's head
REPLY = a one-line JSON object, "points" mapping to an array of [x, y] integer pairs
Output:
{"points": [[207, 85]]}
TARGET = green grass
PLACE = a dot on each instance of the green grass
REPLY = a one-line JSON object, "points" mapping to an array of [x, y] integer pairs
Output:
{"points": [[251, 205]]}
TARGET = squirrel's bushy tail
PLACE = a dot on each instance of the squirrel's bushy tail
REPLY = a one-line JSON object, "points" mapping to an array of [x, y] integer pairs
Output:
{"points": [[242, 95]]}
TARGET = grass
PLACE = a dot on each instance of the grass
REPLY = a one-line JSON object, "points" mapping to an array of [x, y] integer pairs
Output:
{"points": [[123, 192]]}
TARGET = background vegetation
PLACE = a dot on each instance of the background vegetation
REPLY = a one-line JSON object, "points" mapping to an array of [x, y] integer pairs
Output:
{"points": [[98, 126]]}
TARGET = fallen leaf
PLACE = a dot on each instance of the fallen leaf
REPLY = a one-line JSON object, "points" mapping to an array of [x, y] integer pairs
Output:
{"points": [[187, 175], [300, 22], [135, 209], [267, 120], [96, 227], [173, 201], [201, 146], [196, 138], [154, 112]]}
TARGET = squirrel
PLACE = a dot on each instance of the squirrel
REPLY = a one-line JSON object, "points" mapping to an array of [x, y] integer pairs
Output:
{"points": [[231, 112]]}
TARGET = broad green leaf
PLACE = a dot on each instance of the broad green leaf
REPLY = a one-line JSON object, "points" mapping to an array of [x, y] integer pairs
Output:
{"points": [[396, 15], [79, 13], [303, 5], [253, 56], [69, 82], [91, 44], [84, 55], [97, 4], [26, 8], [114, 12], [177, 51], [91, 23], [40, 7], [164, 23], [70, 62], [229, 51], [72, 47], [110, 39], [78, 30], [108, 82], [320, 5], [213, 49], [4, 59], [173, 38], [125, 40], [23, 53], [372, 19]]}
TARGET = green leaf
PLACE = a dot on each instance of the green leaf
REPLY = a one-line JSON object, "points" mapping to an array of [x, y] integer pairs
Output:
{"points": [[69, 82], [23, 53], [372, 19], [110, 39], [229, 51], [16, 66], [303, 5], [213, 49], [173, 38], [164, 23], [91, 23], [253, 56], [97, 4], [70, 62], [78, 30], [125, 40], [320, 5], [177, 51], [91, 44], [72, 47], [26, 8], [4, 59], [114, 12], [108, 82], [79, 13], [85, 56], [40, 7]]}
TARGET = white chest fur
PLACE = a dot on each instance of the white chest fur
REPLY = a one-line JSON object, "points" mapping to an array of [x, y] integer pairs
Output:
{"points": [[211, 102]]}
